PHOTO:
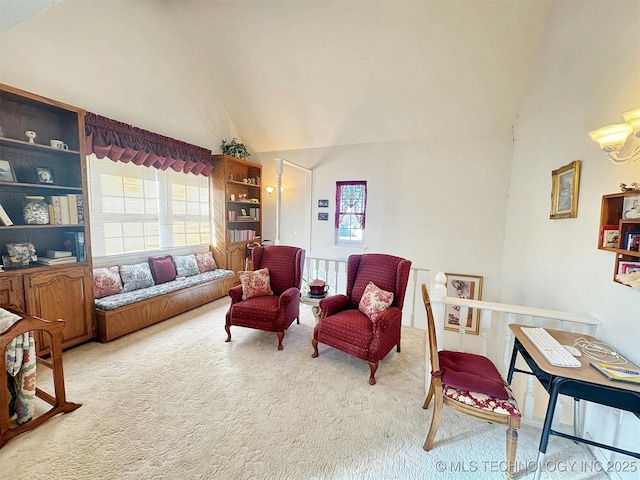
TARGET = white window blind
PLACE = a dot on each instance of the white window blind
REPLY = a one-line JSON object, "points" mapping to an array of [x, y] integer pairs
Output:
{"points": [[135, 208]]}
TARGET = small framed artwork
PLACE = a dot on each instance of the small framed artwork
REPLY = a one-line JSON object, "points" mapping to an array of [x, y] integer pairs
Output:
{"points": [[6, 172], [323, 203], [323, 216], [565, 182], [232, 197], [632, 241], [44, 175], [610, 236], [463, 286]]}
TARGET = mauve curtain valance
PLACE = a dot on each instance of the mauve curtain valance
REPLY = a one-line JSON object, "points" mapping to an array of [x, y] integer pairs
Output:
{"points": [[124, 143]]}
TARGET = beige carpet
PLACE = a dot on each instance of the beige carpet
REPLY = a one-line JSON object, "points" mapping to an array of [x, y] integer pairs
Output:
{"points": [[175, 401]]}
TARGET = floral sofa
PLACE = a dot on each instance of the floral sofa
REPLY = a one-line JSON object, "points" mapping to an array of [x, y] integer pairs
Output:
{"points": [[132, 297]]}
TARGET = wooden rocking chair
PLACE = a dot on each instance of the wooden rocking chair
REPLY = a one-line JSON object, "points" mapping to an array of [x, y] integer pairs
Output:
{"points": [[469, 383]]}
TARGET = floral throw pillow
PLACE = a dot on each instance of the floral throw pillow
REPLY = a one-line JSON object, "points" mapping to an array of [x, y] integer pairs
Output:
{"points": [[186, 265], [106, 281], [374, 301], [255, 284], [136, 276], [206, 262]]}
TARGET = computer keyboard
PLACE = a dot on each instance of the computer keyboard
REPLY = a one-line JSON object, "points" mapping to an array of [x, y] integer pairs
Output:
{"points": [[550, 348]]}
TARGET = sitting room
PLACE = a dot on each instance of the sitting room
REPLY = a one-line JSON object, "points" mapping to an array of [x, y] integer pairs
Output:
{"points": [[447, 135]]}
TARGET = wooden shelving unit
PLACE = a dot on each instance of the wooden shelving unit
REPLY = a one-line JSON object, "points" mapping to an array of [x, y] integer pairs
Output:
{"points": [[49, 292], [617, 211], [237, 210]]}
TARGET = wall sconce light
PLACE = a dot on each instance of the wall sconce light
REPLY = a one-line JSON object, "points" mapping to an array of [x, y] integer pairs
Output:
{"points": [[270, 190], [613, 137]]}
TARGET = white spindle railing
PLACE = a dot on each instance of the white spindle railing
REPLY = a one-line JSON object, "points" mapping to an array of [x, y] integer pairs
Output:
{"points": [[333, 271], [494, 323], [495, 339]]}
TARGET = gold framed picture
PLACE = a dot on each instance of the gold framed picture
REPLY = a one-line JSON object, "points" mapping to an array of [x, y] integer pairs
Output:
{"points": [[565, 183], [463, 286]]}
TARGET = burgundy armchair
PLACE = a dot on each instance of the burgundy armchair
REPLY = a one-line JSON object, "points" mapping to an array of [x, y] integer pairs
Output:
{"points": [[343, 326], [275, 312]]}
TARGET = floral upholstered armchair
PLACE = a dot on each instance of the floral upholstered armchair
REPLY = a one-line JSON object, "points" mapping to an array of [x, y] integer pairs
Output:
{"points": [[268, 298], [367, 321]]}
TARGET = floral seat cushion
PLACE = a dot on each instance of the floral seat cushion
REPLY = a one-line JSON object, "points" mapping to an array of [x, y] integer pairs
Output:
{"points": [[126, 298], [484, 401]]}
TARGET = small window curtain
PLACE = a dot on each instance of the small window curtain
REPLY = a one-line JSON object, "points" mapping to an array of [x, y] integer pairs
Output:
{"points": [[351, 198], [124, 143]]}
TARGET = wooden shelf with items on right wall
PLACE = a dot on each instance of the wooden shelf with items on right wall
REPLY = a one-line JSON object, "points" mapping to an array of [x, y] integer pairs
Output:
{"points": [[620, 230]]}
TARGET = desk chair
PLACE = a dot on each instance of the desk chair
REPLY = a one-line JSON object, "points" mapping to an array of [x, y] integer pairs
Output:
{"points": [[472, 385]]}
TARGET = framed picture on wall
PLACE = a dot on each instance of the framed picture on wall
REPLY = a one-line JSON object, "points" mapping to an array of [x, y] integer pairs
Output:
{"points": [[463, 286], [323, 203], [565, 182]]}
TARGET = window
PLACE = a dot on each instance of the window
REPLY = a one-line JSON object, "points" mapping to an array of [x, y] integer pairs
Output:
{"points": [[136, 208], [351, 206]]}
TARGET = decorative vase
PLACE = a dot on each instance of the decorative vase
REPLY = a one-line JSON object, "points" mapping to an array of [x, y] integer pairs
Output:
{"points": [[36, 211]]}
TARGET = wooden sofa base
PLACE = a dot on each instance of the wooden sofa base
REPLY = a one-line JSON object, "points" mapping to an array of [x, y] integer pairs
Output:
{"points": [[112, 324]]}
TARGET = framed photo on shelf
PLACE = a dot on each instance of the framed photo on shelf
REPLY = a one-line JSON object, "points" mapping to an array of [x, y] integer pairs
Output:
{"points": [[628, 267], [631, 208], [6, 172], [632, 241], [565, 183], [463, 286], [44, 175], [610, 236]]}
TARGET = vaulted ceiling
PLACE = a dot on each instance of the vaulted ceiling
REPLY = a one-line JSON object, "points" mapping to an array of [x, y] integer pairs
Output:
{"points": [[310, 74]]}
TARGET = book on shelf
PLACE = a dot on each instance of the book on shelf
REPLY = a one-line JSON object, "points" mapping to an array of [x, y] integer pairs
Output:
{"points": [[4, 217], [627, 373], [74, 242], [58, 253], [57, 210], [632, 241], [56, 261], [66, 209], [73, 209], [80, 208]]}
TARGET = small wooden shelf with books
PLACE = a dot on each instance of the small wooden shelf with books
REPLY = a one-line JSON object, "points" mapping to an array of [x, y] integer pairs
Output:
{"points": [[620, 230], [237, 210]]}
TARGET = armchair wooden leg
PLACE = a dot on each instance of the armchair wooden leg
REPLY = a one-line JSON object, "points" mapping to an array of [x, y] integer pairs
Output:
{"points": [[435, 421], [372, 368], [298, 320], [280, 337], [228, 329], [314, 344], [512, 445], [398, 347]]}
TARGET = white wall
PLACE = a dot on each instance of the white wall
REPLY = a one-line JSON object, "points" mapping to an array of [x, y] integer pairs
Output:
{"points": [[587, 75], [438, 202]]}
